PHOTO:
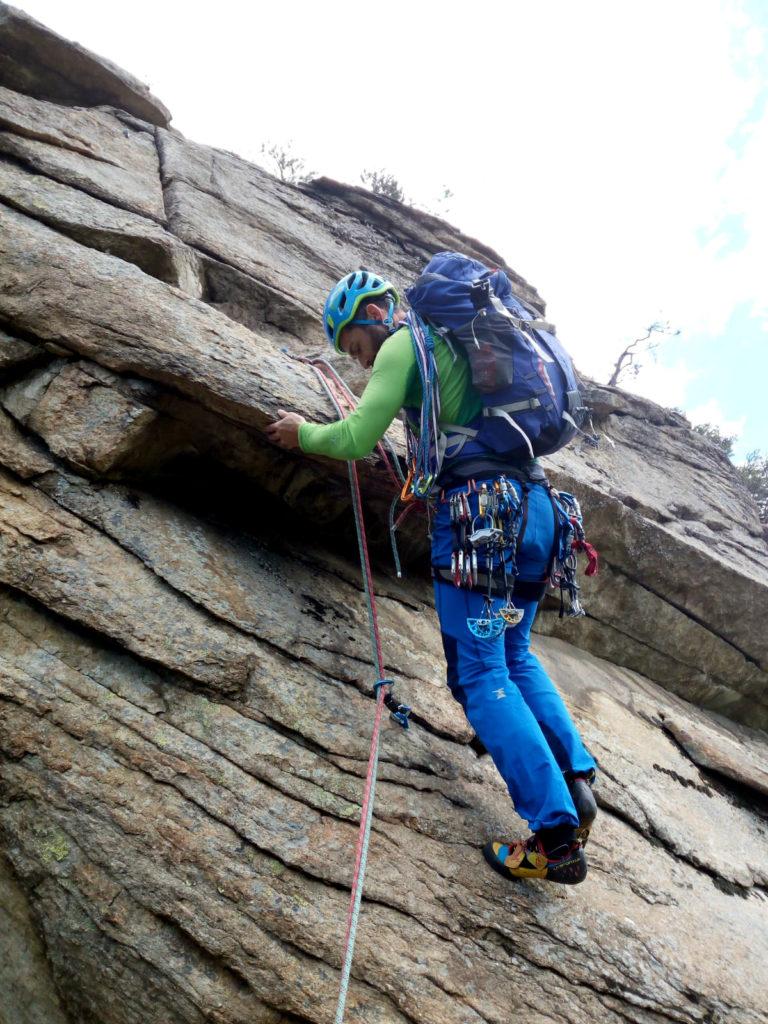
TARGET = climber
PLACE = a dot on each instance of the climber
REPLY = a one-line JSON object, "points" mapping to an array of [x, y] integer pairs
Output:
{"points": [[507, 696]]}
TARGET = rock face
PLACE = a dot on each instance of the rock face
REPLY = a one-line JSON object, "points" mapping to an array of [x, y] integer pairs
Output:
{"points": [[682, 595], [186, 686], [36, 61], [29, 995]]}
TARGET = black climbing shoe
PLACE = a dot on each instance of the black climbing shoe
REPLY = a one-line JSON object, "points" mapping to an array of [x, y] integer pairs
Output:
{"points": [[527, 858], [580, 787]]}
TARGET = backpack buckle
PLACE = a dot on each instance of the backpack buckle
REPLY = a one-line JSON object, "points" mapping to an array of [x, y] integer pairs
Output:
{"points": [[480, 292]]}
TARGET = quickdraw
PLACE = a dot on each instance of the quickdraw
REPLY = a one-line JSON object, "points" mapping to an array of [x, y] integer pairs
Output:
{"points": [[398, 712], [572, 541]]}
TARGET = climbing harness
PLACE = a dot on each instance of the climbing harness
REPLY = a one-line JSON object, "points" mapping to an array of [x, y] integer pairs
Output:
{"points": [[485, 545], [342, 398], [493, 534]]}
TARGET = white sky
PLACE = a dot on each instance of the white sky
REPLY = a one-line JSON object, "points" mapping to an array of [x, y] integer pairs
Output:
{"points": [[616, 154]]}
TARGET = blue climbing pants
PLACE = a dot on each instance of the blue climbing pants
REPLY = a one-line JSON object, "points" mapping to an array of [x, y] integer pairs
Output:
{"points": [[508, 698]]}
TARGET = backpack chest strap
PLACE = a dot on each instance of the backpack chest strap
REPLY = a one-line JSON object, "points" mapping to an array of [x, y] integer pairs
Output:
{"points": [[499, 410]]}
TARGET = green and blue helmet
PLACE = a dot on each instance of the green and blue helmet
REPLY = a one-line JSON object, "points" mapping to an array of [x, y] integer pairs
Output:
{"points": [[345, 298]]}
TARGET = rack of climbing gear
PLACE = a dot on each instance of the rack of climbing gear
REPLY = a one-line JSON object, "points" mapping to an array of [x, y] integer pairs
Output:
{"points": [[572, 541], [484, 555], [491, 534], [343, 399]]}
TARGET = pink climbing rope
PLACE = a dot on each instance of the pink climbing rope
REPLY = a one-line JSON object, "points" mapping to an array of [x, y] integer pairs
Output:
{"points": [[343, 399]]}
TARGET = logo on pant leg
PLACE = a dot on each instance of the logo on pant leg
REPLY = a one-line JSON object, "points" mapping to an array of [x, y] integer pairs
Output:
{"points": [[500, 694]]}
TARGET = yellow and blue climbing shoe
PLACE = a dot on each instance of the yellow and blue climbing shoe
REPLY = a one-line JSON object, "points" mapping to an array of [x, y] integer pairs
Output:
{"points": [[527, 858]]}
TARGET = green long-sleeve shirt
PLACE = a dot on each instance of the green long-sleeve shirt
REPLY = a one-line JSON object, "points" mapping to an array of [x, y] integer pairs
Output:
{"points": [[394, 384]]}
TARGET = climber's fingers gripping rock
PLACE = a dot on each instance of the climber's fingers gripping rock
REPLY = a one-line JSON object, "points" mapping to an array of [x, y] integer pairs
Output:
{"points": [[285, 431]]}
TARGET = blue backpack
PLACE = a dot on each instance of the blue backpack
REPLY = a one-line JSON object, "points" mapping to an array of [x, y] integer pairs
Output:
{"points": [[526, 380]]}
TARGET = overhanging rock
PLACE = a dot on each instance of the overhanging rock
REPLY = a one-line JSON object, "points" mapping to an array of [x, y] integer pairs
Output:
{"points": [[36, 61], [681, 542]]}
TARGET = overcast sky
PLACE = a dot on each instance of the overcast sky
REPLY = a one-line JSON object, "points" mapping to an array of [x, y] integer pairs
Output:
{"points": [[616, 154]]}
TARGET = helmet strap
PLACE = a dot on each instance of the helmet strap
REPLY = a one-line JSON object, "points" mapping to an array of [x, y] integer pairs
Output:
{"points": [[386, 322]]}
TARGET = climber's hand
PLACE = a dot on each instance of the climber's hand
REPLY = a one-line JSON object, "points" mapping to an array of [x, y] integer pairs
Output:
{"points": [[285, 431]]}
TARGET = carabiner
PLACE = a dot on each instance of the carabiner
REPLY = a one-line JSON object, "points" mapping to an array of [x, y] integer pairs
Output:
{"points": [[407, 492]]}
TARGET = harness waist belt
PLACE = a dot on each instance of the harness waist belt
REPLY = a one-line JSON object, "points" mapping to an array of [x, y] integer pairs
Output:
{"points": [[526, 590], [473, 468]]}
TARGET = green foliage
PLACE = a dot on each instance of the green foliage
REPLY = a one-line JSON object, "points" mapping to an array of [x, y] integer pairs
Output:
{"points": [[754, 473], [381, 183], [723, 441], [287, 165], [441, 205], [444, 197]]}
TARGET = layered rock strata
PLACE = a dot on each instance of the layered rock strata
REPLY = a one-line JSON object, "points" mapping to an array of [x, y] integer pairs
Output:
{"points": [[186, 685]]}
